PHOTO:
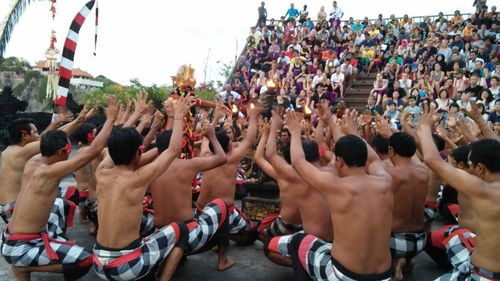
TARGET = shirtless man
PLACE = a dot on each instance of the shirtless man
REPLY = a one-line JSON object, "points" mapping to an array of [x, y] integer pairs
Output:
{"points": [[482, 186], [85, 179], [410, 178], [314, 212], [25, 144], [26, 245], [219, 183], [172, 194], [359, 194], [120, 253], [288, 220]]}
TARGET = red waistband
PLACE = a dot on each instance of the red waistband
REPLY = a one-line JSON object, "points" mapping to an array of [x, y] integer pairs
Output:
{"points": [[52, 255], [431, 204], [120, 260]]}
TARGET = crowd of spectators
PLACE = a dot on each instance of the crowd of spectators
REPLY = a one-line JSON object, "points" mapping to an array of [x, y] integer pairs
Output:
{"points": [[443, 62]]}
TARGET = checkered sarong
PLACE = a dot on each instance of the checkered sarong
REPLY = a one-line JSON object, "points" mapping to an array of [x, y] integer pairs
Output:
{"points": [[279, 245], [136, 262], [314, 256], [474, 274], [6, 211], [280, 227], [407, 245], [205, 225], [39, 249], [56, 224], [460, 243], [147, 223], [238, 221], [431, 211]]}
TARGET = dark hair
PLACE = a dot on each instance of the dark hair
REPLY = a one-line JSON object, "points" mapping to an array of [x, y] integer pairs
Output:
{"points": [[222, 138], [80, 134], [163, 140], [439, 142], [486, 152], [380, 144], [285, 151], [123, 145], [461, 154], [455, 105], [311, 150], [403, 144], [17, 127], [52, 141], [352, 150]]}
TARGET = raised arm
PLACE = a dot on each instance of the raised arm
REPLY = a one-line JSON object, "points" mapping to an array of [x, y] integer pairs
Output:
{"points": [[140, 107], [63, 168], [266, 167], [316, 178], [155, 126], [150, 172], [459, 179], [475, 115], [239, 152], [216, 159]]}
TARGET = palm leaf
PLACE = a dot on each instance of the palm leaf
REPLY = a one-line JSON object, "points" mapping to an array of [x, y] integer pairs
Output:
{"points": [[15, 12]]}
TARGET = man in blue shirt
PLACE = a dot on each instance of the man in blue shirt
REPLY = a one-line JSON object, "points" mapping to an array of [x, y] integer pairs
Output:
{"points": [[292, 13]]}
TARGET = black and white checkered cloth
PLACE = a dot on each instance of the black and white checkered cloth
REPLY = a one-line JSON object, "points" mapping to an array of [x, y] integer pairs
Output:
{"points": [[147, 223], [474, 274], [279, 244], [238, 221], [459, 244], [132, 264], [40, 249], [314, 256], [205, 224], [407, 245], [431, 211], [6, 211], [280, 227]]}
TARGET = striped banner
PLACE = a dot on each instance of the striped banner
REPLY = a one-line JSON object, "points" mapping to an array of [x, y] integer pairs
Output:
{"points": [[68, 55]]}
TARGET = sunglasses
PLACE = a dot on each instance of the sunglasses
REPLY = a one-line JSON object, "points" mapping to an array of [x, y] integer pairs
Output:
{"points": [[67, 148]]}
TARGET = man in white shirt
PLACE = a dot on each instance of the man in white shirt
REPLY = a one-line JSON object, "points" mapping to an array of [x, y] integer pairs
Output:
{"points": [[337, 80], [228, 90], [336, 15], [348, 71], [405, 83]]}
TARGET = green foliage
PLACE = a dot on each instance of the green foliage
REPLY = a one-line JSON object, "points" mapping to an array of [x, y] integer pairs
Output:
{"points": [[18, 65]]}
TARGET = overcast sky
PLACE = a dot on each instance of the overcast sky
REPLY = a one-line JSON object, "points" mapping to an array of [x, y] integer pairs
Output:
{"points": [[150, 39]]}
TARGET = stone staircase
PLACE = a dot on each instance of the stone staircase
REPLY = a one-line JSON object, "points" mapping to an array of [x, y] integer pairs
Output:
{"points": [[356, 97]]}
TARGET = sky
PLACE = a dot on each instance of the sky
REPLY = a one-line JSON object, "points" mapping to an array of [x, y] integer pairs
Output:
{"points": [[151, 39]]}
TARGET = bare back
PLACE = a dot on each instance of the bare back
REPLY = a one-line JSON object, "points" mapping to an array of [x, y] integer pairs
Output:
{"points": [[410, 188], [487, 251], [466, 215], [219, 183], [361, 220], [120, 206], [289, 207], [38, 192], [83, 176], [12, 164], [172, 193]]}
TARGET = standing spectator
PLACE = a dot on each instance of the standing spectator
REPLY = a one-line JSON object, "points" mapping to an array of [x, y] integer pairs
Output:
{"points": [[303, 15], [336, 15], [262, 14], [291, 13], [322, 17]]}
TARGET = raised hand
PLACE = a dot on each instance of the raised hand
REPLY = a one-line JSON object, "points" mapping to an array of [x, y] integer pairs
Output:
{"points": [[92, 112], [182, 106], [157, 120], [208, 130], [324, 111], [348, 124], [63, 118], [293, 123], [141, 103], [384, 129], [168, 106], [112, 109], [474, 113], [81, 116], [255, 110]]}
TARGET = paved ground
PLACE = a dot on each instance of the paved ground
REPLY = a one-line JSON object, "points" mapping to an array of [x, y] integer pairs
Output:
{"points": [[251, 264]]}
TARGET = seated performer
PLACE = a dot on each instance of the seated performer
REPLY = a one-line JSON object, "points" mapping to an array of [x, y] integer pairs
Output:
{"points": [[25, 243], [119, 252], [172, 195], [361, 213], [220, 183], [313, 208], [481, 185], [410, 179], [26, 144], [287, 221], [85, 178]]}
